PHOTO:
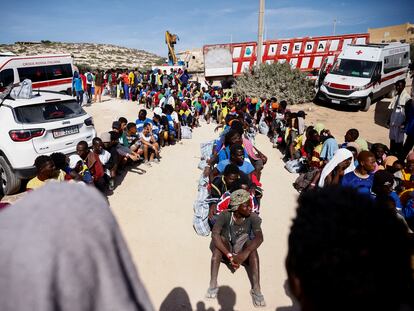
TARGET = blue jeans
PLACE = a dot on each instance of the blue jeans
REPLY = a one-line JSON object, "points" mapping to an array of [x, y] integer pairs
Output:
{"points": [[79, 97], [126, 91]]}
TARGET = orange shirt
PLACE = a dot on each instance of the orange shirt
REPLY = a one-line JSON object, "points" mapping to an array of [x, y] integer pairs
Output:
{"points": [[125, 78]]}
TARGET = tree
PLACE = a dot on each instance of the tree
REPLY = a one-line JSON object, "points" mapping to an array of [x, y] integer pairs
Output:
{"points": [[278, 80]]}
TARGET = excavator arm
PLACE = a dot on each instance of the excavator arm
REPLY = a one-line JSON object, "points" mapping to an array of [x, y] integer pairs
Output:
{"points": [[171, 40]]}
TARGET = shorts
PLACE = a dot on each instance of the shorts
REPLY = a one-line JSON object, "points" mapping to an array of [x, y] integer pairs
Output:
{"points": [[237, 246]]}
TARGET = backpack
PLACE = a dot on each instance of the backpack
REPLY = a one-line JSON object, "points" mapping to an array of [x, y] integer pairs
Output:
{"points": [[89, 77]]}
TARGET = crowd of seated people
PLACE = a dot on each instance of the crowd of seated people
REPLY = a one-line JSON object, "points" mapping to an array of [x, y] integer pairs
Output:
{"points": [[323, 160]]}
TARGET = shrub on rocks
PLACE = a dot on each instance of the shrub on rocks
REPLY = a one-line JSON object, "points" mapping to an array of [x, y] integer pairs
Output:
{"points": [[278, 80]]}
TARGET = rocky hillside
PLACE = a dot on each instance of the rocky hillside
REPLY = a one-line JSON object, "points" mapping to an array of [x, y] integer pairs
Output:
{"points": [[92, 55]]}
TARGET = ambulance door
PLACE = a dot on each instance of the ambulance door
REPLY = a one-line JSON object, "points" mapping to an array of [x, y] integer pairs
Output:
{"points": [[322, 73], [378, 85]]}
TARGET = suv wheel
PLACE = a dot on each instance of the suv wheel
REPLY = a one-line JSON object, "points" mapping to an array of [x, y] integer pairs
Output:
{"points": [[8, 181]]}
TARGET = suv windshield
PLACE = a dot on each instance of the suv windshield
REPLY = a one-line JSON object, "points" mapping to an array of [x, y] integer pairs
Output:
{"points": [[353, 68], [48, 112]]}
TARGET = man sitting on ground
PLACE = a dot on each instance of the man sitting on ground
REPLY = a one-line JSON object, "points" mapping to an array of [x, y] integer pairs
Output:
{"points": [[224, 183], [119, 128], [237, 157], [134, 142], [107, 163], [142, 119], [232, 241], [46, 171], [351, 136], [93, 163]]}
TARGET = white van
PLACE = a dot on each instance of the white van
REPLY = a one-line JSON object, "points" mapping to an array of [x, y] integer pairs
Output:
{"points": [[365, 73], [47, 72]]}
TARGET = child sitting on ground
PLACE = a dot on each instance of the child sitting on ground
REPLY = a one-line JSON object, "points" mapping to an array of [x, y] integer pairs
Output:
{"points": [[150, 145]]}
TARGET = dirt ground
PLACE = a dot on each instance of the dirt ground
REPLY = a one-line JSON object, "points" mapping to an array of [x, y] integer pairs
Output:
{"points": [[155, 213]]}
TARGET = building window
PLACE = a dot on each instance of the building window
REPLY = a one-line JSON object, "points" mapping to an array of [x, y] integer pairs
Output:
{"points": [[386, 34]]}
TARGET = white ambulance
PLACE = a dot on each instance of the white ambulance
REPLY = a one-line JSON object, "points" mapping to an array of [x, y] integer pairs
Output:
{"points": [[365, 73], [47, 72]]}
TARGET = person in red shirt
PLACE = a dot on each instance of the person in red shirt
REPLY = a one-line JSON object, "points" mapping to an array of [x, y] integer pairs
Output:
{"points": [[125, 79], [91, 159]]}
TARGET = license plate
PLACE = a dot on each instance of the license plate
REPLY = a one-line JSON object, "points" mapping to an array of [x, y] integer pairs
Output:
{"points": [[334, 101], [66, 131]]}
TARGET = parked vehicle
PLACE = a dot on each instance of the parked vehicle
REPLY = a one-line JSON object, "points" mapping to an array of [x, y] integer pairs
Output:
{"points": [[363, 74], [47, 72], [46, 123], [306, 53]]}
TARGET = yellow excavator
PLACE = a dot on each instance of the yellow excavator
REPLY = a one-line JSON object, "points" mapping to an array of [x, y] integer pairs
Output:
{"points": [[171, 40]]}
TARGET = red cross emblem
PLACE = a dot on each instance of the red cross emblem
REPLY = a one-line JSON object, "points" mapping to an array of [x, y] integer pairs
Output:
{"points": [[359, 52]]}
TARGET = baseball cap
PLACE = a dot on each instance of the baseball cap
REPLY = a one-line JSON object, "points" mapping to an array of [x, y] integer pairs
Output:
{"points": [[116, 125]]}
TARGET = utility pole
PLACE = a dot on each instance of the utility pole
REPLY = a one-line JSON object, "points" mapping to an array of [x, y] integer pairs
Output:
{"points": [[260, 33], [334, 29]]}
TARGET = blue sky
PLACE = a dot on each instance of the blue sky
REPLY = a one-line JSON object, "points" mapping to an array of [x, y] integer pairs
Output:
{"points": [[141, 24]]}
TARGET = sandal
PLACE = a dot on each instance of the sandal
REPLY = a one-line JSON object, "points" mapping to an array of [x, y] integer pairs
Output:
{"points": [[258, 299], [212, 293]]}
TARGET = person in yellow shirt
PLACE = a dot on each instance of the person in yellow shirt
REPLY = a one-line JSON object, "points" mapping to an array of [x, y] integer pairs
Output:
{"points": [[46, 171], [131, 77]]}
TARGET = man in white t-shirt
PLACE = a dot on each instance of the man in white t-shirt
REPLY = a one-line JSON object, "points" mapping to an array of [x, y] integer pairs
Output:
{"points": [[177, 123], [171, 99], [90, 81]]}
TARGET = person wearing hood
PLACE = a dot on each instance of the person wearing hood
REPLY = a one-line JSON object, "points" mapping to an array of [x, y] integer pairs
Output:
{"points": [[77, 88], [236, 236], [341, 163], [76, 259]]}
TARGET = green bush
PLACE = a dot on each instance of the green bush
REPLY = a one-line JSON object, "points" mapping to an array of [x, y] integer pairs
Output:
{"points": [[278, 80]]}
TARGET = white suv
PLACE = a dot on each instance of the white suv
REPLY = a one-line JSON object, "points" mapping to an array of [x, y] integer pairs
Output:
{"points": [[46, 123]]}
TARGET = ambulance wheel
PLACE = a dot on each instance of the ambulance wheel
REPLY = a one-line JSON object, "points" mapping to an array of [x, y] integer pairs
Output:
{"points": [[365, 106]]}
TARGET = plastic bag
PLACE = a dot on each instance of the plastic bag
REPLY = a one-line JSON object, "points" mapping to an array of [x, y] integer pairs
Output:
{"points": [[186, 132], [23, 91], [293, 166], [84, 99]]}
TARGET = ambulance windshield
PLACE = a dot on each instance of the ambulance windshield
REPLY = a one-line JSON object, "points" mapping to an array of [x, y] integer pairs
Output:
{"points": [[353, 68]]}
